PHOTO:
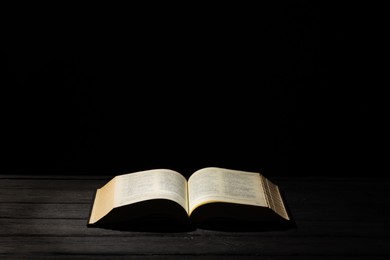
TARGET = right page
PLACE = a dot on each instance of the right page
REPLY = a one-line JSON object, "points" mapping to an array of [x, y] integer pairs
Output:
{"points": [[215, 184]]}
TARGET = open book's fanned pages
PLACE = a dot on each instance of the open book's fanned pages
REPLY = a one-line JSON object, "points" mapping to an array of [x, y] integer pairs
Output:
{"points": [[274, 198], [212, 196]]}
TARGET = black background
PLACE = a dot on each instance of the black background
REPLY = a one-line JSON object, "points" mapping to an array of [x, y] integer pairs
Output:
{"points": [[111, 91]]}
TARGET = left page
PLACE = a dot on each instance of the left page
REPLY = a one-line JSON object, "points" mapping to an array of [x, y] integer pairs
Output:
{"points": [[140, 186], [151, 184]]}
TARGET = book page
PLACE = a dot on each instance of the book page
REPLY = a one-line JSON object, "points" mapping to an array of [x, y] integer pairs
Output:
{"points": [[214, 184], [151, 184]]}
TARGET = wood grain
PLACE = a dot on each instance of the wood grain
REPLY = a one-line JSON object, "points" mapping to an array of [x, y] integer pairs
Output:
{"points": [[44, 217]]}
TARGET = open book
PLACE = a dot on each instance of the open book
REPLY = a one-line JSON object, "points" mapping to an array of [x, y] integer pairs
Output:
{"points": [[210, 196]]}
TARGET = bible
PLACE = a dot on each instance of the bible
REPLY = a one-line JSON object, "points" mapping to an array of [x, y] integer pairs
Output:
{"points": [[209, 197]]}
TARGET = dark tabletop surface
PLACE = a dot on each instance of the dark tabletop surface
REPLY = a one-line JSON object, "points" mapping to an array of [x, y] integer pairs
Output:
{"points": [[44, 217]]}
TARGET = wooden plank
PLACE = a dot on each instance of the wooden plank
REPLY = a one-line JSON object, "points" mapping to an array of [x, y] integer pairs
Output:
{"points": [[80, 191], [55, 177], [197, 246], [48, 256], [77, 227], [318, 199], [44, 210], [52, 184], [301, 212], [319, 204], [46, 196], [98, 176], [287, 185], [332, 183]]}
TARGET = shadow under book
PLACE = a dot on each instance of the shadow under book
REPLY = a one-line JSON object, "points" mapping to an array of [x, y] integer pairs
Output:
{"points": [[212, 198]]}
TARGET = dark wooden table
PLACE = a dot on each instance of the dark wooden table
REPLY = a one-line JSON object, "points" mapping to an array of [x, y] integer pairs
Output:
{"points": [[44, 217]]}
